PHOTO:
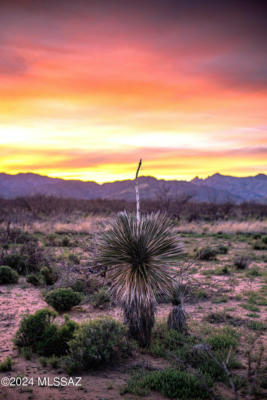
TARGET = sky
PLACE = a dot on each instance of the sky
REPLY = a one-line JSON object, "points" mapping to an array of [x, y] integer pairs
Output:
{"points": [[87, 88]]}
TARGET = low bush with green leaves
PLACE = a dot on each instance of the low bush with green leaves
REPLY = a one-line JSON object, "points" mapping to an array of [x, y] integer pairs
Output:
{"points": [[97, 342], [34, 279], [39, 333], [101, 298], [63, 299], [8, 275], [29, 258], [259, 245], [256, 325], [172, 383], [6, 365], [175, 344], [206, 253], [241, 262], [48, 276]]}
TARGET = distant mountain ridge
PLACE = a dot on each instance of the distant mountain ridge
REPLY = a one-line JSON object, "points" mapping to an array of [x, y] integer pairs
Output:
{"points": [[214, 189]]}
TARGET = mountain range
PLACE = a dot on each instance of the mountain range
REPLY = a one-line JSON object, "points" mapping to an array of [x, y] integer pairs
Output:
{"points": [[214, 189]]}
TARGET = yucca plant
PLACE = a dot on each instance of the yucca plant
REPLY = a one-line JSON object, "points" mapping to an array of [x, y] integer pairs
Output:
{"points": [[139, 256]]}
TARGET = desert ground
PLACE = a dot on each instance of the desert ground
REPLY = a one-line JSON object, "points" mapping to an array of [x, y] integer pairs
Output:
{"points": [[223, 265]]}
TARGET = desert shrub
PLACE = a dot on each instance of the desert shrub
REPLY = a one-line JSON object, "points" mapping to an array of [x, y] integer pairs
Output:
{"points": [[101, 298], [8, 275], [253, 272], [97, 342], [223, 340], [65, 241], [259, 245], [28, 259], [241, 262], [256, 325], [34, 279], [206, 253], [49, 276], [32, 328], [38, 333], [222, 249], [73, 258], [172, 383], [185, 347], [264, 239], [6, 365], [56, 337], [79, 286], [26, 352], [63, 299], [16, 261]]}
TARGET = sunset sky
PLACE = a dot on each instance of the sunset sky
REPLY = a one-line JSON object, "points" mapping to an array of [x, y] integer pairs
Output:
{"points": [[89, 87]]}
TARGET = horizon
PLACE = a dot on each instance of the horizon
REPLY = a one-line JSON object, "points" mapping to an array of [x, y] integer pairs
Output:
{"points": [[132, 179], [90, 88]]}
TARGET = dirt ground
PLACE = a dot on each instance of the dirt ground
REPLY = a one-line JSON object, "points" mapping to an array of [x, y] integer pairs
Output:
{"points": [[226, 292]]}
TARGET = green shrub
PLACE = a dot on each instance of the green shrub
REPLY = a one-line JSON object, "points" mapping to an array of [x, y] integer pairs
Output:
{"points": [[73, 258], [79, 286], [165, 343], [65, 241], [8, 275], [97, 342], [16, 261], [206, 253], [32, 328], [49, 277], [172, 383], [34, 279], [37, 333], [26, 352], [56, 338], [222, 249], [241, 262], [256, 325], [63, 299], [101, 298], [29, 258], [253, 272], [259, 245], [224, 340], [6, 365]]}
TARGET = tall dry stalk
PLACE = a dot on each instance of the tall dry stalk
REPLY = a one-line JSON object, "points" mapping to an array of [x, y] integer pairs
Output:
{"points": [[137, 192]]}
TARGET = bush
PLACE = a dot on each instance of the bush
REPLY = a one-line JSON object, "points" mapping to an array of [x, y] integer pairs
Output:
{"points": [[34, 279], [28, 260], [49, 277], [73, 258], [32, 328], [79, 286], [172, 383], [56, 338], [6, 365], [97, 342], [101, 298], [224, 340], [16, 261], [37, 333], [206, 253], [8, 275], [222, 249], [241, 262], [63, 299], [259, 245], [256, 325]]}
